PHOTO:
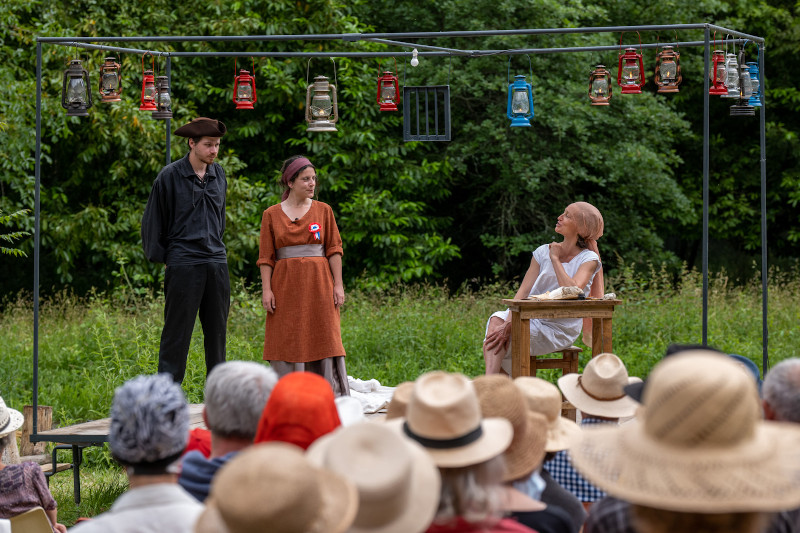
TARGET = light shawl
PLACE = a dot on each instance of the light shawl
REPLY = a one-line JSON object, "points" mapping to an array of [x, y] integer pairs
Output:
{"points": [[590, 228]]}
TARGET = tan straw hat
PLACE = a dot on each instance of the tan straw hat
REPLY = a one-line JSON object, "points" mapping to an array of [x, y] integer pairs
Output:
{"points": [[499, 397], [599, 390], [699, 445], [444, 416], [10, 419], [399, 402], [397, 482], [272, 487], [544, 398]]}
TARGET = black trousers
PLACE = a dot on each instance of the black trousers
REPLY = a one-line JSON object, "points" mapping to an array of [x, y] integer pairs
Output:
{"points": [[189, 290]]}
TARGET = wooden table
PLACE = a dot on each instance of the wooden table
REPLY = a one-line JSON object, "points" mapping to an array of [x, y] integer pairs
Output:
{"points": [[523, 310]]}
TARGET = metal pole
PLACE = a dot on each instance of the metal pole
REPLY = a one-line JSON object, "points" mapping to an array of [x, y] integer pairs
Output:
{"points": [[764, 269], [706, 61], [36, 237], [168, 121]]}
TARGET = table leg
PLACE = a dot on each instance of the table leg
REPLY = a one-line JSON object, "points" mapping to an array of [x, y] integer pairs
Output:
{"points": [[520, 345], [601, 336]]}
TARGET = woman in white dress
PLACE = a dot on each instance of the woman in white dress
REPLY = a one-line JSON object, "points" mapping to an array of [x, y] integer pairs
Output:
{"points": [[573, 262]]}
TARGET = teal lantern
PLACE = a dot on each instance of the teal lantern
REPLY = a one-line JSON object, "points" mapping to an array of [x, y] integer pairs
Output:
{"points": [[755, 97], [520, 102]]}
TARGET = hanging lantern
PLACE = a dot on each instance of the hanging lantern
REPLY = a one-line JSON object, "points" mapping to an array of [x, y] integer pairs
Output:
{"points": [[388, 91], [244, 90], [630, 72], [520, 102], [163, 101], [743, 108], [322, 108], [755, 98], [600, 86], [731, 76], [75, 97], [717, 75], [110, 81], [668, 70], [148, 99]]}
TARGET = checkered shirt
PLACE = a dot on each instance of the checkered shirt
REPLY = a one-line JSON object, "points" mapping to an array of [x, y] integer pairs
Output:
{"points": [[560, 467]]}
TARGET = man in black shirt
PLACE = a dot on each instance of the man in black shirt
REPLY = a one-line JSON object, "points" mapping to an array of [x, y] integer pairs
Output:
{"points": [[182, 226]]}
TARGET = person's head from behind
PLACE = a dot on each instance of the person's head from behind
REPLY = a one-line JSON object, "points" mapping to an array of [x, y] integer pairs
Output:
{"points": [[235, 396], [300, 409], [10, 421], [781, 392], [444, 416], [699, 446], [149, 424]]}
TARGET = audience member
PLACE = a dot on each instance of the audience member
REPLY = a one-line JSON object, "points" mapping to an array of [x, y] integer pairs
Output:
{"points": [[300, 410], [399, 402], [544, 398], [273, 487], [599, 396], [698, 458], [782, 392], [235, 396], [444, 416], [499, 397], [398, 483], [149, 428], [22, 486]]}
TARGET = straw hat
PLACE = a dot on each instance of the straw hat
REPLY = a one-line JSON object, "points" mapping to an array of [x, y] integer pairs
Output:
{"points": [[444, 416], [699, 445], [399, 402], [10, 419], [543, 397], [273, 487], [599, 390], [397, 481], [499, 397]]}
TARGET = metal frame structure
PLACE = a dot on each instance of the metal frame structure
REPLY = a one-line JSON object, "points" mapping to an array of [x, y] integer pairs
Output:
{"points": [[400, 40]]}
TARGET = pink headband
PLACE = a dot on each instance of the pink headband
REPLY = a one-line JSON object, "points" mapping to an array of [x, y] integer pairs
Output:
{"points": [[293, 168]]}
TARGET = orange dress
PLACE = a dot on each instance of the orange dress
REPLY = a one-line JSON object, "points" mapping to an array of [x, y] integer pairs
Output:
{"points": [[305, 325]]}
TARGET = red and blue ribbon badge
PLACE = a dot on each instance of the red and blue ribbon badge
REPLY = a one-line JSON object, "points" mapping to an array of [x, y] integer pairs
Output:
{"points": [[314, 228]]}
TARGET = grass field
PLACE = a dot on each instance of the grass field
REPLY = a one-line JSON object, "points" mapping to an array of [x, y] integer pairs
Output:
{"points": [[89, 346]]}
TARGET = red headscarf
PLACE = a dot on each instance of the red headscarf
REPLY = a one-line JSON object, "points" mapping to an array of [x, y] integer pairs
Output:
{"points": [[300, 409], [590, 227]]}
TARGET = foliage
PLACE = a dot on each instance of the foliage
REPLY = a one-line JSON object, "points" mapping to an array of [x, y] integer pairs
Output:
{"points": [[14, 236]]}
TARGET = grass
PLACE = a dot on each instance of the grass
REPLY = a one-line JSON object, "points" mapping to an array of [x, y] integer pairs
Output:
{"points": [[89, 346]]}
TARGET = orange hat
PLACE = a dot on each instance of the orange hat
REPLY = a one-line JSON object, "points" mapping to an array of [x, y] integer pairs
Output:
{"points": [[300, 409]]}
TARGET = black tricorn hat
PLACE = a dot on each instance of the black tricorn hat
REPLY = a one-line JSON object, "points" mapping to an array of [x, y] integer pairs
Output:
{"points": [[202, 127]]}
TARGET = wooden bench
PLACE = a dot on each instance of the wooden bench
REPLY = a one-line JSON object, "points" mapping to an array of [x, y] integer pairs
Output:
{"points": [[567, 363]]}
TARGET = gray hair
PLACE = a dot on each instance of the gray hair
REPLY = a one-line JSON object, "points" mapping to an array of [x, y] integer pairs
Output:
{"points": [[473, 493], [236, 393], [781, 390]]}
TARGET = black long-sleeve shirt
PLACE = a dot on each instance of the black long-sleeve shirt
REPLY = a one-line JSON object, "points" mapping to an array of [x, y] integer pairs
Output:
{"points": [[184, 220]]}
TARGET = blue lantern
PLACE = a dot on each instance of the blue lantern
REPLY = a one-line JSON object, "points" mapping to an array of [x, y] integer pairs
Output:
{"points": [[755, 98], [520, 102]]}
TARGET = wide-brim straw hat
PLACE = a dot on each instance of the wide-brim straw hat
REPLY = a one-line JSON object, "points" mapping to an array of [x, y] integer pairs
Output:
{"points": [[600, 390], [399, 402], [273, 487], [543, 397], [499, 397], [444, 416], [10, 419], [699, 444], [398, 484]]}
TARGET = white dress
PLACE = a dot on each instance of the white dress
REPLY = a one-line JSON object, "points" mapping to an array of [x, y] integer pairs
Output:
{"points": [[548, 336]]}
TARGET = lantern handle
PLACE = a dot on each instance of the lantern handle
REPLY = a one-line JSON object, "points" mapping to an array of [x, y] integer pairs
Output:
{"points": [[153, 66], [733, 44], [508, 73], [380, 67], [620, 40], [308, 67]]}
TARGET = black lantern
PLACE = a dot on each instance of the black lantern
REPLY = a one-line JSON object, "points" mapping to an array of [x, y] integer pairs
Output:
{"points": [[163, 101], [75, 96], [110, 81]]}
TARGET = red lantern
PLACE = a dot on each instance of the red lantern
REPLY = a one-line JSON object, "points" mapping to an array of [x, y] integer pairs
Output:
{"points": [[148, 98], [388, 91], [630, 72], [718, 74], [244, 88]]}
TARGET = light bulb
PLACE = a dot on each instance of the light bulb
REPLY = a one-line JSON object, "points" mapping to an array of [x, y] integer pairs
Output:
{"points": [[414, 60]]}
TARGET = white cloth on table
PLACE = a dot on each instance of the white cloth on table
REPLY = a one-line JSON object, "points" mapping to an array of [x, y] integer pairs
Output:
{"points": [[372, 395], [551, 335]]}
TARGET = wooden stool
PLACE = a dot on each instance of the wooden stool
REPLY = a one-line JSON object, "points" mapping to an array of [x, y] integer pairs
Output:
{"points": [[567, 363]]}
